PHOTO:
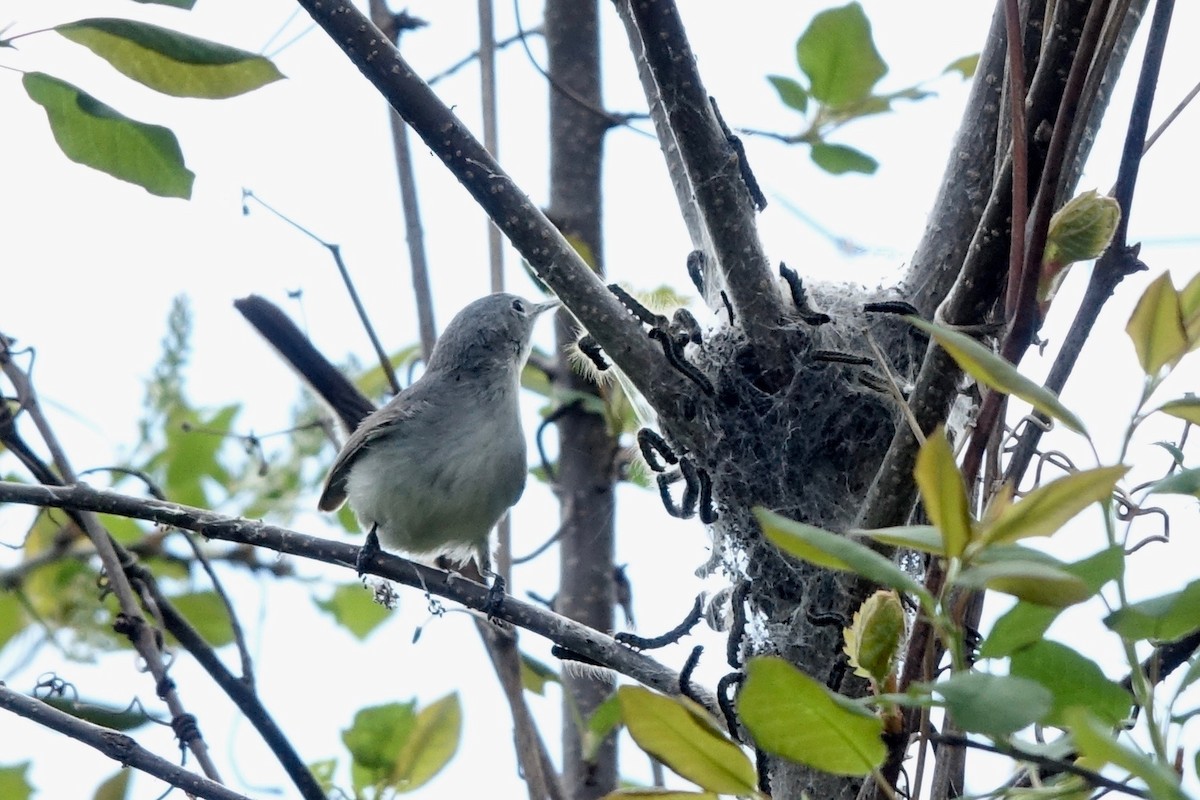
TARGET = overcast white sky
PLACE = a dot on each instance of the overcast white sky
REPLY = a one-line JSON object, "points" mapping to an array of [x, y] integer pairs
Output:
{"points": [[90, 266]]}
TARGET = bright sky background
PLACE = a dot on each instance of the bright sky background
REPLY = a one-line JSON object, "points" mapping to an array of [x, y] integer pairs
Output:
{"points": [[91, 264]]}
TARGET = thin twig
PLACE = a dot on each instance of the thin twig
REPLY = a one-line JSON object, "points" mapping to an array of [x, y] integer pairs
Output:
{"points": [[117, 746]]}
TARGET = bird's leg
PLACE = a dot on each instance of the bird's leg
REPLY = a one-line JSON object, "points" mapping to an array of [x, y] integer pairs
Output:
{"points": [[496, 589], [367, 552]]}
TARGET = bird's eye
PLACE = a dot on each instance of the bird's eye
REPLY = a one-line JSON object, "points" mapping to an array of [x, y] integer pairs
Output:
{"points": [[519, 305]]}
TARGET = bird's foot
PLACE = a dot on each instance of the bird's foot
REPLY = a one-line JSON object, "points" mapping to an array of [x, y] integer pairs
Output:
{"points": [[367, 553], [495, 597]]}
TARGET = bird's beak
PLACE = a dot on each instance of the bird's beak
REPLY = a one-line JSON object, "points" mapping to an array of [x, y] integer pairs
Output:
{"points": [[546, 306]]}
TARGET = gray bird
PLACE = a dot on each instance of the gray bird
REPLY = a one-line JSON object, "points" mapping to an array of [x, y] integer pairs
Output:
{"points": [[435, 469]]}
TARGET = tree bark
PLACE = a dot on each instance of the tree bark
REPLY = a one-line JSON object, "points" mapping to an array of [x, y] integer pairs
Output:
{"points": [[587, 449]]}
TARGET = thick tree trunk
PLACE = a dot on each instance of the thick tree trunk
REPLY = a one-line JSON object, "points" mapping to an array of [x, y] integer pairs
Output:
{"points": [[587, 450]]}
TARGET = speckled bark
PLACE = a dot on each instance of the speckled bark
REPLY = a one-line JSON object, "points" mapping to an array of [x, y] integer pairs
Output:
{"points": [[586, 451]]}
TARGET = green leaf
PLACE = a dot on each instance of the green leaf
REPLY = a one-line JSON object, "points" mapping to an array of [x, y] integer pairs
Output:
{"points": [[605, 719], [535, 675], [659, 794], [115, 788], [925, 538], [378, 733], [1046, 509], [396, 746], [1026, 623], [1033, 581], [184, 4], [964, 66], [1164, 618], [1185, 408], [943, 492], [833, 551], [1074, 680], [791, 92], [106, 716], [207, 614], [681, 735], [1156, 327], [1189, 306], [838, 159], [171, 62], [430, 746], [12, 617], [1097, 742], [355, 609], [838, 55], [795, 717], [189, 462], [992, 370], [97, 136], [13, 782], [995, 705], [1185, 482]]}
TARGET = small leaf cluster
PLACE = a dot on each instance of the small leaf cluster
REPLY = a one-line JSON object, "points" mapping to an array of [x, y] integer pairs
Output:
{"points": [[839, 69], [97, 135]]}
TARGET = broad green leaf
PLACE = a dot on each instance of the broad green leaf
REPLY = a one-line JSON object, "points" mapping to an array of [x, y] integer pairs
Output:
{"points": [[355, 609], [1186, 408], [681, 735], [1032, 581], [943, 492], [14, 785], [964, 66], [996, 705], [1026, 623], [100, 137], [184, 4], [791, 92], [378, 733], [115, 788], [838, 159], [207, 614], [659, 794], [838, 55], [600, 725], [12, 617], [1189, 307], [171, 62], [106, 716], [831, 550], [925, 538], [1073, 680], [1164, 618], [190, 463], [432, 743], [1156, 327], [1047, 508], [992, 370], [1097, 742], [535, 675], [795, 717], [1184, 482]]}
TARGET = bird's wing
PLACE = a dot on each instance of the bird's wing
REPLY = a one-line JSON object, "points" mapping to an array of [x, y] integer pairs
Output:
{"points": [[402, 408]]}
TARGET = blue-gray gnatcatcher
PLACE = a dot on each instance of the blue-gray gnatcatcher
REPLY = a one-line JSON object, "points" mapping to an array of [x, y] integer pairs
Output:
{"points": [[436, 468]]}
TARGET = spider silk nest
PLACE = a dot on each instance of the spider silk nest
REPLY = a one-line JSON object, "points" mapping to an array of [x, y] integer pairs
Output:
{"points": [[810, 449]]}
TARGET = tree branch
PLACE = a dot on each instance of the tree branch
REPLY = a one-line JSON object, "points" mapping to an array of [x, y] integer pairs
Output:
{"points": [[713, 168], [593, 644], [117, 746], [548, 253]]}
